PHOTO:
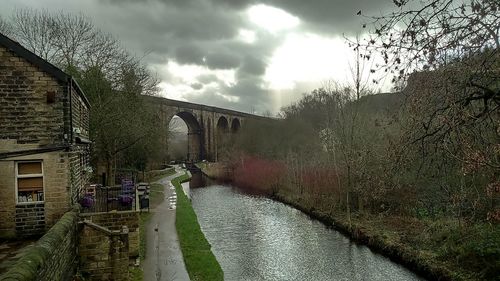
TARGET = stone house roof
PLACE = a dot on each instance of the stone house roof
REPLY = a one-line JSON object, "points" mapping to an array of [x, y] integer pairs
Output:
{"points": [[44, 65]]}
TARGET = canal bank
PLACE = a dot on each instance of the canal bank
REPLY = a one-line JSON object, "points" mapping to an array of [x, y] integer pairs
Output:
{"points": [[200, 262], [397, 253], [377, 238], [257, 238]]}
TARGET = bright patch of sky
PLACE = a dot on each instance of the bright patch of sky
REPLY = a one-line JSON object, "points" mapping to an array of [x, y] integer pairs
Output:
{"points": [[271, 19], [188, 73], [247, 36], [326, 59]]}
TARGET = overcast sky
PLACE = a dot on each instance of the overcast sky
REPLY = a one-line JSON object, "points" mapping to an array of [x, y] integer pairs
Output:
{"points": [[253, 56]]}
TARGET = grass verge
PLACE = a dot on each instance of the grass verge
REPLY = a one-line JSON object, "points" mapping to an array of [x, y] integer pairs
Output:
{"points": [[201, 263], [156, 175], [156, 195]]}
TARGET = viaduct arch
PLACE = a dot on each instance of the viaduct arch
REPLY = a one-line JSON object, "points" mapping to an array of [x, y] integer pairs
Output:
{"points": [[210, 128]]}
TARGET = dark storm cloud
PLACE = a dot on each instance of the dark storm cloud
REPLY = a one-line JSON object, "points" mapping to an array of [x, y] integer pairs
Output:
{"points": [[253, 65], [251, 96], [221, 60], [332, 16], [328, 16], [189, 54], [204, 32], [251, 93]]}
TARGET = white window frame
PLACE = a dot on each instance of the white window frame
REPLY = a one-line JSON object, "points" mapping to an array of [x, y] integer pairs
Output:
{"points": [[17, 176]]}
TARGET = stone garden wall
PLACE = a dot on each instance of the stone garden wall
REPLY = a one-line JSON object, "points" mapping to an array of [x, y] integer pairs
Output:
{"points": [[52, 258]]}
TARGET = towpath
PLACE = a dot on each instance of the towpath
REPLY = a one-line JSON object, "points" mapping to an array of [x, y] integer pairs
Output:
{"points": [[163, 261]]}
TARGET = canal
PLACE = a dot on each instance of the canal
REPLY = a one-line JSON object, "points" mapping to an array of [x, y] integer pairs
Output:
{"points": [[256, 238]]}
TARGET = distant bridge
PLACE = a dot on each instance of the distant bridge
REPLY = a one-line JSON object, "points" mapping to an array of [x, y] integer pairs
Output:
{"points": [[210, 128]]}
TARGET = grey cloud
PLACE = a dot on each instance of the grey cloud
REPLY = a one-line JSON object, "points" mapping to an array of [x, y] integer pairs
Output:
{"points": [[332, 16], [220, 60], [250, 94], [207, 78], [189, 30], [326, 16], [189, 54], [197, 86], [235, 4], [253, 65], [214, 98]]}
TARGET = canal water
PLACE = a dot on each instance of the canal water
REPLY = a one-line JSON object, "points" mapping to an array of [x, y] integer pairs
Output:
{"points": [[255, 238]]}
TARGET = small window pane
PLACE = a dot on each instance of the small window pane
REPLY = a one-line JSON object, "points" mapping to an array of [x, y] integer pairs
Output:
{"points": [[29, 168], [30, 184]]}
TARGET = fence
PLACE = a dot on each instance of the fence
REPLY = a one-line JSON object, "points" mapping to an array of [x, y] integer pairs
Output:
{"points": [[106, 199]]}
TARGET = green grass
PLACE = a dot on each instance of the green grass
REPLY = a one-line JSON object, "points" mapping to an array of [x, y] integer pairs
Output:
{"points": [[201, 165], [143, 221], [135, 273], [153, 176], [201, 263], [156, 195]]}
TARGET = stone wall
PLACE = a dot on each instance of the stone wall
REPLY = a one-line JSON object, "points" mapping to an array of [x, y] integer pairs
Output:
{"points": [[79, 160], [104, 254], [40, 111], [56, 186], [79, 157], [115, 221], [80, 114], [201, 121], [30, 219], [28, 118], [52, 258]]}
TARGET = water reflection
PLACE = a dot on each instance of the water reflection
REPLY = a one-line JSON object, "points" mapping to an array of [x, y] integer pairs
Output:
{"points": [[255, 238]]}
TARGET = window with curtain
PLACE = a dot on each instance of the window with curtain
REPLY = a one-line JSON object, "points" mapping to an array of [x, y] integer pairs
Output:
{"points": [[29, 182]]}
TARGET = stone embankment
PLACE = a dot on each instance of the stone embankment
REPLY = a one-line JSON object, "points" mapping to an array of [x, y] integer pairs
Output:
{"points": [[53, 257]]}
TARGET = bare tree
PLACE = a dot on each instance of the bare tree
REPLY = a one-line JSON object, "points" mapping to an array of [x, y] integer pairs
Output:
{"points": [[449, 53], [5, 27], [37, 31], [113, 80], [428, 34], [460, 39], [74, 36]]}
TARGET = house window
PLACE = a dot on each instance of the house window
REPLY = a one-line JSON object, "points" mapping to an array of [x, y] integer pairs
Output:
{"points": [[29, 181]]}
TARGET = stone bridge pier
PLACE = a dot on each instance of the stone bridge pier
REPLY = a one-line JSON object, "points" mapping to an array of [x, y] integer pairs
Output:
{"points": [[210, 129]]}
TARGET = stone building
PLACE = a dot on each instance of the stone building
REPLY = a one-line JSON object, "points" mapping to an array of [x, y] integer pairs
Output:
{"points": [[44, 146]]}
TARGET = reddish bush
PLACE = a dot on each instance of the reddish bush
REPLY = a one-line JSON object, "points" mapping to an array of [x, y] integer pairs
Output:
{"points": [[263, 175], [319, 180], [257, 174]]}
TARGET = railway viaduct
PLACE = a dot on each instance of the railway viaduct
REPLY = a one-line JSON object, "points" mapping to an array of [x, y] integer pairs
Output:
{"points": [[210, 128]]}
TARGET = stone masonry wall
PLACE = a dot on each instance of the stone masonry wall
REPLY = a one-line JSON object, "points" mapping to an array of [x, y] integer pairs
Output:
{"points": [[56, 181], [30, 219], [52, 258], [115, 221], [28, 119], [79, 158], [80, 111], [103, 253], [8, 200], [37, 111]]}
